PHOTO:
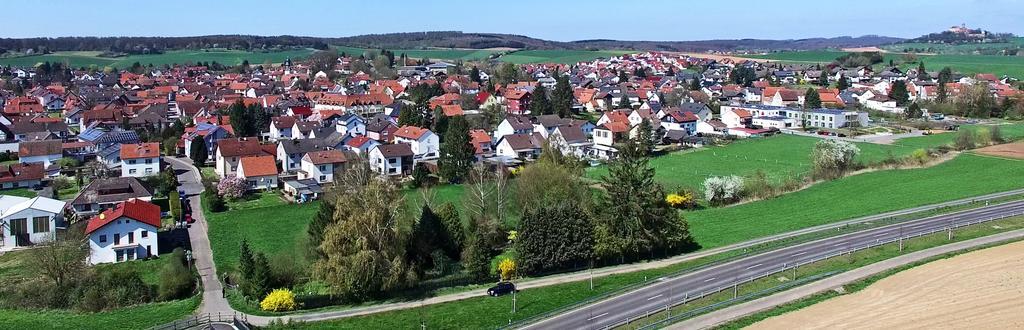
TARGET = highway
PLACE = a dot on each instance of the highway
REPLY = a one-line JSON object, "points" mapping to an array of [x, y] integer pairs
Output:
{"points": [[665, 292]]}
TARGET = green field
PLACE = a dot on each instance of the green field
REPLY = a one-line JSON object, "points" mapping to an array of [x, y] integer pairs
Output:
{"points": [[961, 49], [780, 157], [1010, 132], [966, 64], [269, 225], [559, 56], [226, 57], [434, 54], [137, 317], [21, 192], [855, 196]]}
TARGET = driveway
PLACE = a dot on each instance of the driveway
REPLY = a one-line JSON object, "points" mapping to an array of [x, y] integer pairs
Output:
{"points": [[213, 292]]}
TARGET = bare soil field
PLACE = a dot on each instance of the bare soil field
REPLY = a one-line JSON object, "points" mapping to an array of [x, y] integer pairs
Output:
{"points": [[721, 57], [978, 290], [1010, 150], [865, 49]]}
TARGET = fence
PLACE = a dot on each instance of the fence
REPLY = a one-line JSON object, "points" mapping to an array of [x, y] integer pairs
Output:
{"points": [[691, 296], [239, 321]]}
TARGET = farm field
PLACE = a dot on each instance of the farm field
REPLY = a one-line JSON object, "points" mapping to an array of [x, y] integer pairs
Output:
{"points": [[855, 196], [1009, 150], [558, 56], [1010, 132], [984, 283], [963, 49], [967, 64], [436, 54], [780, 157], [226, 57]]}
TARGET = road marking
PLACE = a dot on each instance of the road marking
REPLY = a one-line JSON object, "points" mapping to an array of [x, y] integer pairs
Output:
{"points": [[839, 244], [654, 297], [799, 253], [753, 266], [597, 316], [882, 234], [709, 280]]}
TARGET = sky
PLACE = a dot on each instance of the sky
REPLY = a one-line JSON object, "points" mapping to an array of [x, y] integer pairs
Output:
{"points": [[560, 20]]}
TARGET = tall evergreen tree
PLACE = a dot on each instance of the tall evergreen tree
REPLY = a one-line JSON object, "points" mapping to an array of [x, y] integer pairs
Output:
{"points": [[624, 101], [410, 116], [823, 79], [199, 154], [922, 75], [645, 137], [555, 237], [561, 98], [899, 92], [945, 76], [457, 151], [811, 99], [474, 75], [695, 83], [539, 102], [843, 83], [623, 76], [440, 123]]}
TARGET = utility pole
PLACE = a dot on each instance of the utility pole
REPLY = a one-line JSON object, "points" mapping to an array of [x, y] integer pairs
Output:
{"points": [[591, 275], [901, 238]]}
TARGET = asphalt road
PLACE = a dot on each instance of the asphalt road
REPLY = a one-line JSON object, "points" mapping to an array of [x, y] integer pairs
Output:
{"points": [[668, 291]]}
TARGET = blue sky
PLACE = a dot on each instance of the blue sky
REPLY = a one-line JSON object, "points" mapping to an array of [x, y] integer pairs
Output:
{"points": [[548, 19]]}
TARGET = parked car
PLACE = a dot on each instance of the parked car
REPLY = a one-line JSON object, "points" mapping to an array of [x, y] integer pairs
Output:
{"points": [[189, 219], [502, 288]]}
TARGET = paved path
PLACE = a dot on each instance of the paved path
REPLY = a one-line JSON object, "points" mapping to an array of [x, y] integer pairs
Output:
{"points": [[214, 302], [661, 293], [213, 292], [734, 312]]}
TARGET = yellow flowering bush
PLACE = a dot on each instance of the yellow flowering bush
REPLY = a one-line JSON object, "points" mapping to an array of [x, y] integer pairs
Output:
{"points": [[279, 300], [681, 200], [507, 267]]}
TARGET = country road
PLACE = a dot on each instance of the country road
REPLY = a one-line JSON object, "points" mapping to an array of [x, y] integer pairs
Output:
{"points": [[664, 292]]}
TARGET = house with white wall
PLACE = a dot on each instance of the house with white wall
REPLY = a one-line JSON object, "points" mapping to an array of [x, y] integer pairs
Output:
{"points": [[123, 233], [27, 221], [259, 172], [44, 151], [391, 159], [424, 143], [321, 165], [140, 159]]}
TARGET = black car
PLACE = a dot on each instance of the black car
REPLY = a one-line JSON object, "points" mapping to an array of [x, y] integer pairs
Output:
{"points": [[502, 288]]}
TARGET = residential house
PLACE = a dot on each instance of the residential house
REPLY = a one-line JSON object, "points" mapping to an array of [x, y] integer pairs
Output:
{"points": [[101, 194], [513, 124], [517, 101], [520, 146], [424, 143], [391, 159], [259, 172], [605, 137], [321, 165], [127, 231], [570, 140], [26, 221], [210, 134], [290, 152], [360, 144], [140, 160], [14, 176], [46, 152], [281, 128], [230, 151], [679, 120]]}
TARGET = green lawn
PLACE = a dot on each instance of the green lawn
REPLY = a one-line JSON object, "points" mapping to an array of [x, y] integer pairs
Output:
{"points": [[559, 56], [22, 192], [961, 49], [860, 195], [269, 225], [967, 64], [137, 317], [226, 57], [434, 54], [780, 157], [1012, 131]]}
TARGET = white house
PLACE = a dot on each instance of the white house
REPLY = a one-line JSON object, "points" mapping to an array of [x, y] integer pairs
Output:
{"points": [[513, 124], [423, 142], [259, 172], [27, 221], [321, 165], [391, 159], [281, 128], [521, 146], [125, 232], [140, 160], [230, 151]]}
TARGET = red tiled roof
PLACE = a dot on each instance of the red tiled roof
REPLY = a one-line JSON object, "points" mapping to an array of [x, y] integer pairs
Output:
{"points": [[452, 110], [21, 172], [411, 132], [357, 141], [140, 150], [239, 147], [39, 148], [134, 209], [258, 166]]}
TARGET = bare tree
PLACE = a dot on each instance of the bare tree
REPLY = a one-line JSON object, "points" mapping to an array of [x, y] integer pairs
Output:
{"points": [[60, 260], [478, 198]]}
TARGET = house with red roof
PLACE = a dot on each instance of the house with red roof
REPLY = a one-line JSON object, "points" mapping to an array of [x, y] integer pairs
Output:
{"points": [[140, 159], [320, 165], [360, 144], [123, 233], [517, 101], [259, 172], [424, 143]]}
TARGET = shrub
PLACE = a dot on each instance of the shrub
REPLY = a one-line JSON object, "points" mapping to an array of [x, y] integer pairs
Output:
{"points": [[965, 140], [507, 267], [213, 201], [721, 190], [175, 278], [832, 158], [279, 300], [996, 135], [920, 156]]}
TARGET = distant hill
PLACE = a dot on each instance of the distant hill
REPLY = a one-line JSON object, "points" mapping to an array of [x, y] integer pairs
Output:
{"points": [[414, 40], [956, 35]]}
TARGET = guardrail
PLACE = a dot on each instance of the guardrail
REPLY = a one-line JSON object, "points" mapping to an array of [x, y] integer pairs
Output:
{"points": [[691, 296], [748, 252], [239, 321]]}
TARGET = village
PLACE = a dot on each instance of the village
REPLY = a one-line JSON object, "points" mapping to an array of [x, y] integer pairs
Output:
{"points": [[101, 152]]}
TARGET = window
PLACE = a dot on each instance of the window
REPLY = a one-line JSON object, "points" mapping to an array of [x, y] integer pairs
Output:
{"points": [[120, 255], [144, 234], [149, 161], [323, 177], [40, 225], [131, 255], [393, 160], [103, 238], [19, 226], [117, 239], [131, 237], [131, 171], [131, 161], [323, 168], [149, 170]]}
